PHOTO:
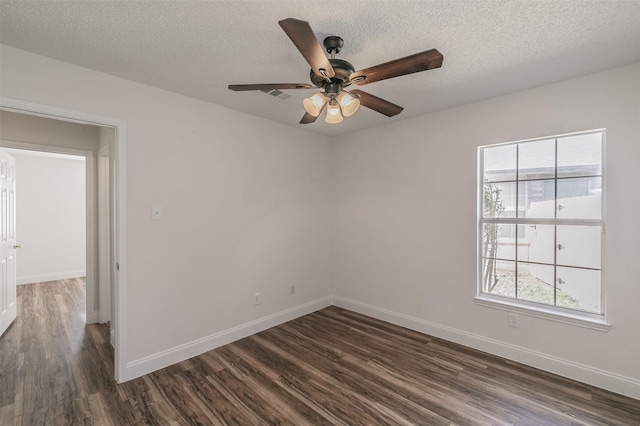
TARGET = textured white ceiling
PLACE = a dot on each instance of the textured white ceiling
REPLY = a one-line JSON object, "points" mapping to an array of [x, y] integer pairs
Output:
{"points": [[197, 48]]}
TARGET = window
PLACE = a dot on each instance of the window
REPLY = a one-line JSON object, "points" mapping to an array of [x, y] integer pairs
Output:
{"points": [[541, 221]]}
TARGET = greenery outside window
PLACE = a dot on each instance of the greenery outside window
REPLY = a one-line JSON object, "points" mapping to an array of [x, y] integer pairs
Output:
{"points": [[541, 223]]}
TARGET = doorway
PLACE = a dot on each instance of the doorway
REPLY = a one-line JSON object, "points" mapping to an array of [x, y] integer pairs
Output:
{"points": [[116, 231], [41, 137], [51, 210]]}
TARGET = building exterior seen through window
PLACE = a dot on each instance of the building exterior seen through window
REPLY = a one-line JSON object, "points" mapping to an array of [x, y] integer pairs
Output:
{"points": [[542, 221]]}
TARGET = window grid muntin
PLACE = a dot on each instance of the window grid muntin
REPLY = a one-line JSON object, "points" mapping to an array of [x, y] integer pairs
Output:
{"points": [[518, 220], [555, 266]]}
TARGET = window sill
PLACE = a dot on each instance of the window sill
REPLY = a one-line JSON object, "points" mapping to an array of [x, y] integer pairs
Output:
{"points": [[548, 314]]}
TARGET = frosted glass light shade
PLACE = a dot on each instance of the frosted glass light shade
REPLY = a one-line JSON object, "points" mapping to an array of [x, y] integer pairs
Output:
{"points": [[313, 104], [333, 113], [348, 103]]}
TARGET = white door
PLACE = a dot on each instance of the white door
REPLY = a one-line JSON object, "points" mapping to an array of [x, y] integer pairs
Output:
{"points": [[7, 241]]}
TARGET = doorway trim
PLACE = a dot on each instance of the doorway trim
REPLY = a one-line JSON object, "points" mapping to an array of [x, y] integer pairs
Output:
{"points": [[120, 235], [104, 204]]}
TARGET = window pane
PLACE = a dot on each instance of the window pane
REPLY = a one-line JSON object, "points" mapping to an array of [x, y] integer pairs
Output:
{"points": [[578, 246], [506, 236], [498, 277], [537, 244], [537, 199], [499, 163], [580, 198], [499, 199], [535, 283], [537, 159], [546, 199], [579, 289], [498, 241], [580, 155]]}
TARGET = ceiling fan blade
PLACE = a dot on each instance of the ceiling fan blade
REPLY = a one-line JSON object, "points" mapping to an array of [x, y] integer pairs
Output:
{"points": [[267, 87], [308, 118], [377, 104], [302, 36], [422, 61]]}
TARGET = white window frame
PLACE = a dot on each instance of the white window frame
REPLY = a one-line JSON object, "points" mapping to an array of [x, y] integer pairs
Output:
{"points": [[596, 321]]}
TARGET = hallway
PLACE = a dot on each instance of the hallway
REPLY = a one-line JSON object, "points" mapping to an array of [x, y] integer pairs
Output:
{"points": [[53, 365]]}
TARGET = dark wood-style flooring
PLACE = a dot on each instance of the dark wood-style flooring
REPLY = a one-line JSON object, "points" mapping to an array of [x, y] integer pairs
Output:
{"points": [[331, 367]]}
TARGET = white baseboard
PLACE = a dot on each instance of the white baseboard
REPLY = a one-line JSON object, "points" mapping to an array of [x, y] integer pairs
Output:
{"points": [[41, 278], [583, 373], [180, 353]]}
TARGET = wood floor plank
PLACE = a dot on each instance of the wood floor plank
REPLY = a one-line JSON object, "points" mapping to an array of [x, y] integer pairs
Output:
{"points": [[143, 411], [260, 380], [343, 380], [81, 412], [99, 412], [206, 394], [8, 414], [172, 392], [331, 367], [357, 375], [158, 403], [399, 351], [253, 405]]}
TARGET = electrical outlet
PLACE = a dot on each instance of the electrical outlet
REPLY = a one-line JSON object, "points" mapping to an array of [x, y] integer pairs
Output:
{"points": [[156, 212], [256, 299], [514, 320], [292, 290]]}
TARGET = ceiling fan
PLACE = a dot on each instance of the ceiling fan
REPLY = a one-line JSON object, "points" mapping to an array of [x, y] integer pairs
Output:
{"points": [[333, 75]]}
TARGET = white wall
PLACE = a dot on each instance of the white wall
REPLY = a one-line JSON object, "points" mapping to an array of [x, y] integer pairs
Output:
{"points": [[245, 202], [405, 224], [50, 211]]}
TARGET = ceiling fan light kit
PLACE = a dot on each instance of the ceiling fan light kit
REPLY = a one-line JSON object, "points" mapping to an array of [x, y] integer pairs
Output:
{"points": [[314, 104], [333, 75], [344, 104], [333, 112], [348, 104]]}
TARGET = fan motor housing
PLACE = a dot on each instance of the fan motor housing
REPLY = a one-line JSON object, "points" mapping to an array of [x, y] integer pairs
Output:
{"points": [[343, 70]]}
